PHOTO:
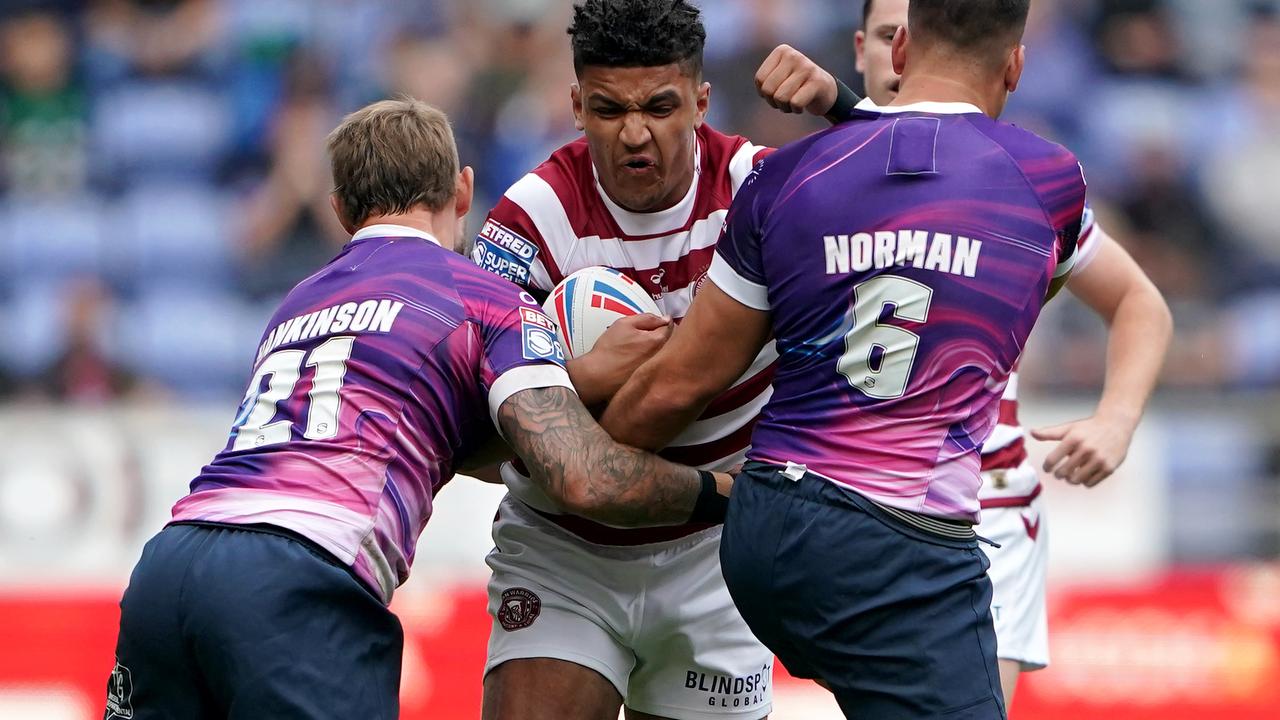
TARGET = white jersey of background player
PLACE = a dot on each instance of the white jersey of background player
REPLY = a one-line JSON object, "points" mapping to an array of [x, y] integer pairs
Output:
{"points": [[1107, 280], [587, 618]]}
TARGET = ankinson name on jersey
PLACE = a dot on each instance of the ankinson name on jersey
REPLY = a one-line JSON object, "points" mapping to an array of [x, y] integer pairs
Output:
{"points": [[884, 249], [367, 316]]}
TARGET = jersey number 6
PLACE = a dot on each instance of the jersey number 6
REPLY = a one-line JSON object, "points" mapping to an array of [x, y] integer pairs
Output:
{"points": [[877, 358], [254, 428]]}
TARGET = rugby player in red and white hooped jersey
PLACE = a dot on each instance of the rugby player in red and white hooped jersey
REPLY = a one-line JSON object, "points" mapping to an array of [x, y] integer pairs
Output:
{"points": [[588, 618], [1106, 279]]}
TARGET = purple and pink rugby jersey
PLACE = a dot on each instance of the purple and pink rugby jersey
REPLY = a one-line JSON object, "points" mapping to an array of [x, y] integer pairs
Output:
{"points": [[904, 257], [375, 377]]}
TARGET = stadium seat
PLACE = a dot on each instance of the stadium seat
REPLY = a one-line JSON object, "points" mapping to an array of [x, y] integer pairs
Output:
{"points": [[160, 130], [33, 318], [197, 342], [51, 238], [172, 233]]}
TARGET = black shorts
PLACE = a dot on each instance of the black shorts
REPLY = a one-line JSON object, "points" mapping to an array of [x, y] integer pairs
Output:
{"points": [[895, 619], [221, 621]]}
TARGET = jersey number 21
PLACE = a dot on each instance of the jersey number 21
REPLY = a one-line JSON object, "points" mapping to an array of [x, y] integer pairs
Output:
{"points": [[254, 427]]}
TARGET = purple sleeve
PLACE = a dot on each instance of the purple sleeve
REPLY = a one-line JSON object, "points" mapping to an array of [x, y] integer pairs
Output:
{"points": [[738, 268], [1059, 181], [519, 345]]}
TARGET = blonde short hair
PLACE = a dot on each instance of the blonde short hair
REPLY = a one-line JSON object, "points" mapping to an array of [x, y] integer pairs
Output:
{"points": [[392, 156]]}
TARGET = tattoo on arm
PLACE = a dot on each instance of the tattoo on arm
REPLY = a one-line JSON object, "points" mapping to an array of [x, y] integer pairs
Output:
{"points": [[576, 463]]}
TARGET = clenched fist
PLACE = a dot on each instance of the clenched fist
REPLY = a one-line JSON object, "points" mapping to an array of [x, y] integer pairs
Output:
{"points": [[791, 82]]}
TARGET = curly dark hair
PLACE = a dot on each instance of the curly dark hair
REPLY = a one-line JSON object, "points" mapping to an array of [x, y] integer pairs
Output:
{"points": [[637, 33]]}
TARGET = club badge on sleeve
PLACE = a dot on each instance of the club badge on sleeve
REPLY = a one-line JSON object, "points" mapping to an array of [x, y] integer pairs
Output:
{"points": [[539, 334]]}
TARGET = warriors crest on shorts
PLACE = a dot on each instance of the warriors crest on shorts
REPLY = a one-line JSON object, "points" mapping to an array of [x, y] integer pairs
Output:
{"points": [[519, 608]]}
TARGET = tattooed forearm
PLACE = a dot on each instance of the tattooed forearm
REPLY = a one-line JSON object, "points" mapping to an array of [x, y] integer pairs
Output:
{"points": [[581, 467]]}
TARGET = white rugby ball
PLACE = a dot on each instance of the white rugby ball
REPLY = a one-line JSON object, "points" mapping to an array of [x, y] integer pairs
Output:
{"points": [[587, 302]]}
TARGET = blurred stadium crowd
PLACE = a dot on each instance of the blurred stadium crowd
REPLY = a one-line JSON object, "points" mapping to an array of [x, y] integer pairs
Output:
{"points": [[163, 182], [163, 177]]}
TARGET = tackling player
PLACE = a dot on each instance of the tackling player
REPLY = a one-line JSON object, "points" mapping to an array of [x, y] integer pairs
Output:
{"points": [[640, 619], [266, 595], [899, 317], [1107, 280]]}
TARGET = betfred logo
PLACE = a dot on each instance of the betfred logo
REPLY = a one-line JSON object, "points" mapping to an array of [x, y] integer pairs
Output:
{"points": [[536, 318], [504, 252], [518, 609], [509, 240]]}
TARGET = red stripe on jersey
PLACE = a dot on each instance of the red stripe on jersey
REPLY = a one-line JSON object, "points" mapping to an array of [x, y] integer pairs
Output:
{"points": [[741, 394], [710, 452], [1010, 502], [1008, 413], [675, 274], [717, 152], [1006, 458]]}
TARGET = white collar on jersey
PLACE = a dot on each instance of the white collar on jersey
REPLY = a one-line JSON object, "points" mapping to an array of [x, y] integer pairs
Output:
{"points": [[933, 108], [662, 221], [391, 230]]}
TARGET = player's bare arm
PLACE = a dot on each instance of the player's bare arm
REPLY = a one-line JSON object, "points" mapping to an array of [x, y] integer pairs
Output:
{"points": [[589, 474], [596, 376], [627, 343], [713, 347], [1113, 285]]}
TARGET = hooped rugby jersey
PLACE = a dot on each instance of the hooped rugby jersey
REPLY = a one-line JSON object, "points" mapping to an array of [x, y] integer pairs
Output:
{"points": [[557, 220], [375, 377], [904, 258]]}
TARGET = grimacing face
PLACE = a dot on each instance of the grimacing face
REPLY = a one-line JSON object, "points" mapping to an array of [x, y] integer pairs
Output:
{"points": [[874, 46], [640, 123]]}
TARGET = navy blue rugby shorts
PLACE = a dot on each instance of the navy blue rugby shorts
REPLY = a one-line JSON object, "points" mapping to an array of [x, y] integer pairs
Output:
{"points": [[897, 620], [241, 622]]}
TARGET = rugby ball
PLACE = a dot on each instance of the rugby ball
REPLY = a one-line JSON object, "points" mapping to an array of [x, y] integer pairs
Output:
{"points": [[587, 302]]}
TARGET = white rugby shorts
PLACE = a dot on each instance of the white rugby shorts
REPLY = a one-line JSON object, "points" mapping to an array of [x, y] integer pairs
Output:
{"points": [[655, 620], [1018, 569]]}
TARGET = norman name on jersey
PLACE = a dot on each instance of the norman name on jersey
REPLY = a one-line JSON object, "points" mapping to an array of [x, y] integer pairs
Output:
{"points": [[885, 249]]}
